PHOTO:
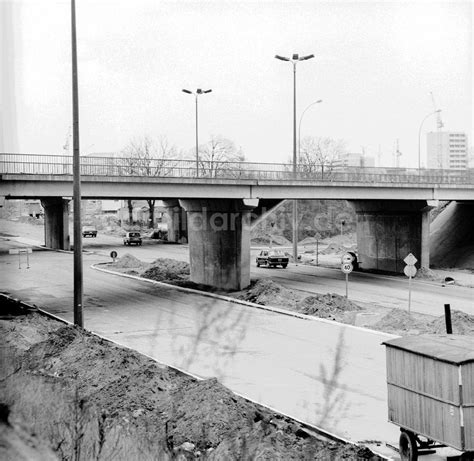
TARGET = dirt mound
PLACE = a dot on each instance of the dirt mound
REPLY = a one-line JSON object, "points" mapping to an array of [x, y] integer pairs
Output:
{"points": [[329, 305], [398, 320], [268, 292], [164, 269], [90, 399], [462, 323], [128, 261], [426, 274], [264, 240], [337, 248]]}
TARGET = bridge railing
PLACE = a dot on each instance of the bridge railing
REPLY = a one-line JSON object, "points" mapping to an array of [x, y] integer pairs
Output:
{"points": [[179, 168]]}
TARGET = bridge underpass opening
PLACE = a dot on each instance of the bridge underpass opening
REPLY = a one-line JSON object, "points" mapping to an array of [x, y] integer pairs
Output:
{"points": [[388, 230], [56, 223]]}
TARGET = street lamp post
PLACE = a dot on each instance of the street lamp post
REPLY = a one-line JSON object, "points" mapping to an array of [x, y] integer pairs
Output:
{"points": [[299, 127], [419, 137], [76, 171], [197, 93], [294, 60]]}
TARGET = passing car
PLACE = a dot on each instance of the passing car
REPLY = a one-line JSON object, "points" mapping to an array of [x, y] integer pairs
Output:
{"points": [[132, 238], [272, 258], [89, 231]]}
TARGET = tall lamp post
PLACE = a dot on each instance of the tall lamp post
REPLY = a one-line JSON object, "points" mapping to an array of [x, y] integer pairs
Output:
{"points": [[299, 127], [294, 60], [76, 171], [419, 137], [197, 93]]}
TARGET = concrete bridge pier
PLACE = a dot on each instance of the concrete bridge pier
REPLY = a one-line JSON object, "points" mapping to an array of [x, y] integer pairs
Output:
{"points": [[56, 223], [219, 241], [177, 222], [388, 230]]}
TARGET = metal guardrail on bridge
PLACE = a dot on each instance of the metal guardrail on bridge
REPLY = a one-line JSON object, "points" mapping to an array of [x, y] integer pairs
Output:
{"points": [[177, 168]]}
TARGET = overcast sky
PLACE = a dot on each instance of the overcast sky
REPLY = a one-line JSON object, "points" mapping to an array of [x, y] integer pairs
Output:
{"points": [[374, 67]]}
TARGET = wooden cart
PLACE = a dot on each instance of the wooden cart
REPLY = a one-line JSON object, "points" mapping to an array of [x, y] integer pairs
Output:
{"points": [[431, 392]]}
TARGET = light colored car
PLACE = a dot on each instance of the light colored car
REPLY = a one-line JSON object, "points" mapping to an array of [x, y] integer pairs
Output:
{"points": [[132, 238]]}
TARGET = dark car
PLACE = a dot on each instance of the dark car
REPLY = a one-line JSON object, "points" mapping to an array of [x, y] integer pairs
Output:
{"points": [[89, 231], [272, 258], [132, 237]]}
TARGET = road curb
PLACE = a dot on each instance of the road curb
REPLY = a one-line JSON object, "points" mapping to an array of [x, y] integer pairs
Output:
{"points": [[242, 302]]}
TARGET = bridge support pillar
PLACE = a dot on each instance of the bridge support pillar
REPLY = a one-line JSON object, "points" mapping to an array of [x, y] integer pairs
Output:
{"points": [[56, 223], [177, 221], [388, 230], [425, 237], [219, 242]]}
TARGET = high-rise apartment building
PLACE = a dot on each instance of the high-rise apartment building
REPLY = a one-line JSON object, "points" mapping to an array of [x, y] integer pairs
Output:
{"points": [[447, 150]]}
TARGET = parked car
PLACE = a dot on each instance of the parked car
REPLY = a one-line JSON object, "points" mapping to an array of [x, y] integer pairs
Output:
{"points": [[272, 258], [132, 237], [89, 231]]}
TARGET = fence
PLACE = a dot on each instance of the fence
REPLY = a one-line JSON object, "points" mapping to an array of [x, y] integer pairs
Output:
{"points": [[177, 168]]}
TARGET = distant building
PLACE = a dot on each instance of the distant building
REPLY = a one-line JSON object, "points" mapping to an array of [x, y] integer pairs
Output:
{"points": [[447, 150], [356, 160]]}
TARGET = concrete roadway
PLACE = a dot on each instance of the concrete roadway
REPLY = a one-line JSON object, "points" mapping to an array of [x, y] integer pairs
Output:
{"points": [[320, 372], [388, 291]]}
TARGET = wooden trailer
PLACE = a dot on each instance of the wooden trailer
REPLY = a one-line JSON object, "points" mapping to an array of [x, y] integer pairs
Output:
{"points": [[430, 381]]}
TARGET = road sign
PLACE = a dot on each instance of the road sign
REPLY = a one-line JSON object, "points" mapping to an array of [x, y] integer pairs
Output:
{"points": [[22, 251], [113, 254], [347, 268], [410, 271], [410, 260], [347, 258]]}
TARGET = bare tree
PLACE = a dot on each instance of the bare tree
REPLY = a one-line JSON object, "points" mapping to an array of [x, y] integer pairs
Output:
{"points": [[219, 154], [320, 155], [145, 157]]}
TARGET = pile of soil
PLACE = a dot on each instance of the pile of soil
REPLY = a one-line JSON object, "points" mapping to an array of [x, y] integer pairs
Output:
{"points": [[426, 274], [400, 322], [264, 240], [167, 270], [328, 306], [462, 324], [69, 394], [335, 248], [267, 292], [127, 261], [397, 321]]}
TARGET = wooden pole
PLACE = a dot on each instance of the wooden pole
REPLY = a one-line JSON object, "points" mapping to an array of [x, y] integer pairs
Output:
{"points": [[447, 317], [76, 170]]}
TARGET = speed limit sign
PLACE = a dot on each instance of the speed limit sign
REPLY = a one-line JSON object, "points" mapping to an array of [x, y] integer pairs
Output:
{"points": [[347, 268]]}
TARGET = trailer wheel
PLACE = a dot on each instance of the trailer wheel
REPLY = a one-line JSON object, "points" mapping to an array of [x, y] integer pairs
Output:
{"points": [[407, 445]]}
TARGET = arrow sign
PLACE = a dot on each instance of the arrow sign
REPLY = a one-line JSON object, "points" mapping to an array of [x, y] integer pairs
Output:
{"points": [[410, 260]]}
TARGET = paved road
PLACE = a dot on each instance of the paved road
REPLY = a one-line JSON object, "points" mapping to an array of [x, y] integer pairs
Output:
{"points": [[320, 372], [310, 369]]}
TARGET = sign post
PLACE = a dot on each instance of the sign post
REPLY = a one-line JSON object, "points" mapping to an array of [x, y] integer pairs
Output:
{"points": [[346, 268], [410, 272], [22, 251]]}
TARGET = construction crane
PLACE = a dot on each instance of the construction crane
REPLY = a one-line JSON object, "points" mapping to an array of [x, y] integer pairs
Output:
{"points": [[397, 154], [439, 126], [439, 123]]}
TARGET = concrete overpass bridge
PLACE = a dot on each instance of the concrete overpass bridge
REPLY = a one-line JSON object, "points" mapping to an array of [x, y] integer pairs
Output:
{"points": [[221, 200]]}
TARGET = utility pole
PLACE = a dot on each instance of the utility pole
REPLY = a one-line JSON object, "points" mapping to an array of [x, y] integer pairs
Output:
{"points": [[76, 169]]}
